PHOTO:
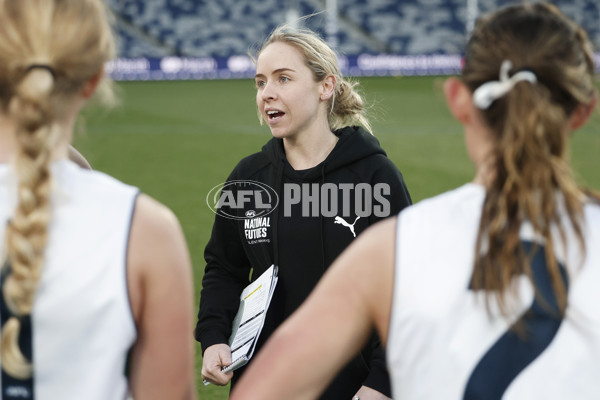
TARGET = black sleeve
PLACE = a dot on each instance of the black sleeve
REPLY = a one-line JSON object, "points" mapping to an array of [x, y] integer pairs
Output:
{"points": [[378, 377], [374, 353], [225, 276]]}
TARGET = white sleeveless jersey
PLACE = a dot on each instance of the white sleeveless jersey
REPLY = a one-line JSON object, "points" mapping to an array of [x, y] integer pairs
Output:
{"points": [[444, 344], [82, 322]]}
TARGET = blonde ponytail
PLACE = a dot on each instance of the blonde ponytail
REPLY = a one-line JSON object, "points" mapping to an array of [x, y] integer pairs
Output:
{"points": [[27, 232], [347, 107], [49, 50]]}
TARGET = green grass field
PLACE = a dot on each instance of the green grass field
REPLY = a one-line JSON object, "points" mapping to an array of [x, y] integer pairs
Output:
{"points": [[176, 140]]}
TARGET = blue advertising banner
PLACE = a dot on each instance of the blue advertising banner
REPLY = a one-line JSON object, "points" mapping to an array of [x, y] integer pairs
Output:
{"points": [[237, 67]]}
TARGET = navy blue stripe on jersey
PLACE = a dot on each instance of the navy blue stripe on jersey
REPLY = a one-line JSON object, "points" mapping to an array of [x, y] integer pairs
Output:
{"points": [[514, 351], [14, 388]]}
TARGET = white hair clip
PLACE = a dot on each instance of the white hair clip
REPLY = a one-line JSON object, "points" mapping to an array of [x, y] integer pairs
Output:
{"points": [[487, 93]]}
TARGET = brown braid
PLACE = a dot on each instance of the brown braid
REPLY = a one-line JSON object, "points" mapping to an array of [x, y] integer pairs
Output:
{"points": [[533, 179]]}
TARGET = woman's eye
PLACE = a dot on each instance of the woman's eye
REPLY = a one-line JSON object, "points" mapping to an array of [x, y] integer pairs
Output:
{"points": [[260, 84], [284, 79]]}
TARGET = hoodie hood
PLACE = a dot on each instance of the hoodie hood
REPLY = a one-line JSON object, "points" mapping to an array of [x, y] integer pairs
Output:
{"points": [[354, 144]]}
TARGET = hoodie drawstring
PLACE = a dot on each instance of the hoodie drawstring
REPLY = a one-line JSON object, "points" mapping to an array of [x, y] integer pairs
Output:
{"points": [[278, 187], [322, 222]]}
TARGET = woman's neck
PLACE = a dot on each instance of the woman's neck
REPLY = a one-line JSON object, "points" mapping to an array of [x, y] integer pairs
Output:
{"points": [[307, 151], [485, 172]]}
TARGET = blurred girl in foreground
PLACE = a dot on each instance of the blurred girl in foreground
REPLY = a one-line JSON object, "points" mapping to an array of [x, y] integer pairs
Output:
{"points": [[90, 266]]}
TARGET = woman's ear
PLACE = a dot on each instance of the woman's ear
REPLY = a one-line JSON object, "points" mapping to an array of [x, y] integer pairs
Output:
{"points": [[581, 114], [327, 87], [90, 86], [459, 99]]}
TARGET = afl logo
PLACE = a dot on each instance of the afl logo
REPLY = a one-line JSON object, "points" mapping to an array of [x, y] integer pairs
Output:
{"points": [[230, 199]]}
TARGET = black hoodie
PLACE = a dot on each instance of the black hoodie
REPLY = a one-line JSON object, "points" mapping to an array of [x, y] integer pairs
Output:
{"points": [[314, 217]]}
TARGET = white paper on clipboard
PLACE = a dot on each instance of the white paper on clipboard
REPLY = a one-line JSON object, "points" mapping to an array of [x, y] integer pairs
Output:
{"points": [[248, 323]]}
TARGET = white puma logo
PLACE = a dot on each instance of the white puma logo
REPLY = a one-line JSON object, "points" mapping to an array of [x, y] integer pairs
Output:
{"points": [[340, 220]]}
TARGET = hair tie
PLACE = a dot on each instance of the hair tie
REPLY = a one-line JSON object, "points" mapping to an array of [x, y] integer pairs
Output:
{"points": [[41, 66], [487, 93]]}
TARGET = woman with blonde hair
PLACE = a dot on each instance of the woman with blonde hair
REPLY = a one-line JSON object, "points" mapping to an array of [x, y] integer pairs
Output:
{"points": [[490, 290], [332, 179], [89, 265]]}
